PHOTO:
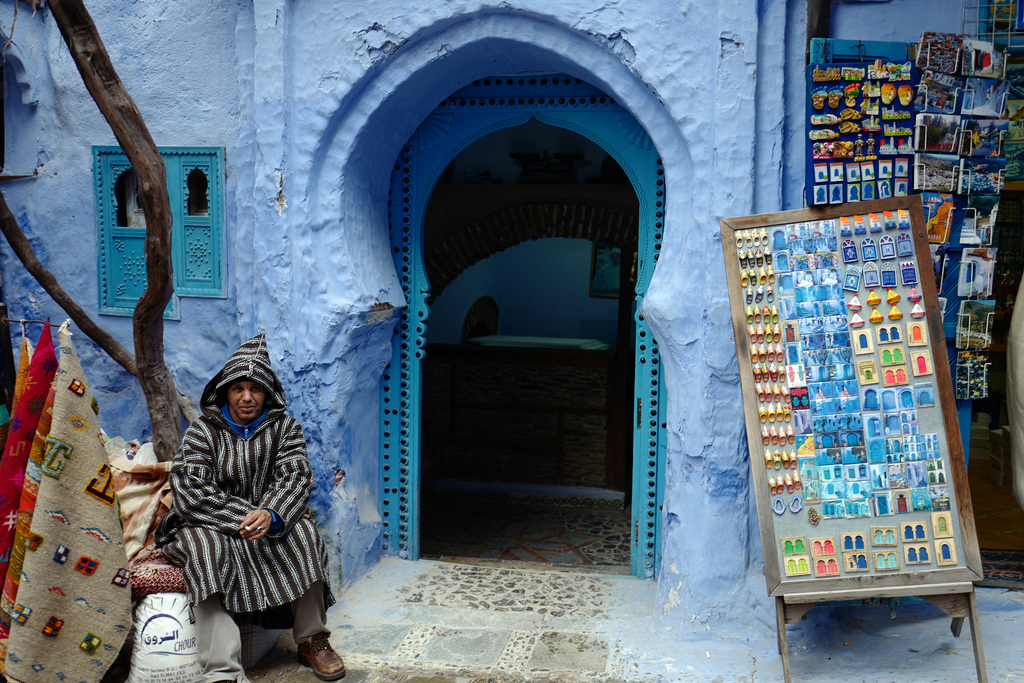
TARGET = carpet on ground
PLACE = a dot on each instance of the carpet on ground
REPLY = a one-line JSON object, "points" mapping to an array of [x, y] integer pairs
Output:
{"points": [[73, 608]]}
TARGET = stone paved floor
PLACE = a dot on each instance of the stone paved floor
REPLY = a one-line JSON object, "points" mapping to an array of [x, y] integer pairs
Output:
{"points": [[420, 622]]}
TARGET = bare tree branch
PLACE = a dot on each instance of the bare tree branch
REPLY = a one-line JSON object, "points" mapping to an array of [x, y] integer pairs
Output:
{"points": [[23, 249], [119, 109]]}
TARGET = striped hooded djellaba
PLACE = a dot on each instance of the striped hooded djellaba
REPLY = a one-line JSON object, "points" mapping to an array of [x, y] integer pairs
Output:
{"points": [[218, 477]]}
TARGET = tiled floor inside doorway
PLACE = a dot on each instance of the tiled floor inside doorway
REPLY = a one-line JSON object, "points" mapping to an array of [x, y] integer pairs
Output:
{"points": [[581, 538]]}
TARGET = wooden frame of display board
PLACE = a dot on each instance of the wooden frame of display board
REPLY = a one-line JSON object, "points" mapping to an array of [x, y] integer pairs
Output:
{"points": [[861, 490]]}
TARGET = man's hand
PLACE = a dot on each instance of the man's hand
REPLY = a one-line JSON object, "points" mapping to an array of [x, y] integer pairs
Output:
{"points": [[255, 525]]}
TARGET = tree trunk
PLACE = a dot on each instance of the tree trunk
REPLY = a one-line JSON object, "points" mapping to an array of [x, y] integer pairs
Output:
{"points": [[118, 108], [23, 249]]}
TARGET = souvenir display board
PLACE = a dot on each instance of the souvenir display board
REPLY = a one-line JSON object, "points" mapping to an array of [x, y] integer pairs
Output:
{"points": [[855, 450], [858, 468], [860, 131]]}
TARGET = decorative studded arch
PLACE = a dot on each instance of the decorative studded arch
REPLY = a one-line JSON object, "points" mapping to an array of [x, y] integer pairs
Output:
{"points": [[469, 115]]}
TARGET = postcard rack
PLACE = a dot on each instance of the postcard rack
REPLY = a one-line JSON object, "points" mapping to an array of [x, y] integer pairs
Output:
{"points": [[857, 464]]}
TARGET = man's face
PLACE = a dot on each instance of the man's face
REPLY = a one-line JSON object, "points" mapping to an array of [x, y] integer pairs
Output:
{"points": [[245, 401]]}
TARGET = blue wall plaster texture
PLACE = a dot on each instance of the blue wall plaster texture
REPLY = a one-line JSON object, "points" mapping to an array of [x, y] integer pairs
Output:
{"points": [[313, 102]]}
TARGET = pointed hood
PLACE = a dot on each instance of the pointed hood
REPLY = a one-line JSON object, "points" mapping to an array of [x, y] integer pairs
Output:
{"points": [[250, 362]]}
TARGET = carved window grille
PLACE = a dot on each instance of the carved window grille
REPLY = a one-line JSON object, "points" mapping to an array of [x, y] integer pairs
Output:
{"points": [[195, 187]]}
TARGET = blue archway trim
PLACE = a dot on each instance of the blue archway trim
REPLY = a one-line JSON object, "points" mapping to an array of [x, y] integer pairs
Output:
{"points": [[461, 120]]}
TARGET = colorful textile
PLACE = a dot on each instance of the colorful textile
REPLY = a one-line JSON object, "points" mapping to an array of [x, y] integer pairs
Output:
{"points": [[29, 491], [19, 440], [24, 359], [139, 487], [152, 572], [220, 477], [73, 608]]}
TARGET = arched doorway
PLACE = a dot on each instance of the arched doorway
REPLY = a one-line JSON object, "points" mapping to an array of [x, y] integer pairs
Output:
{"points": [[468, 115]]}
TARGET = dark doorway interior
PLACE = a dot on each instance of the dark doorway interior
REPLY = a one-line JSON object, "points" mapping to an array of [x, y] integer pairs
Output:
{"points": [[528, 374]]}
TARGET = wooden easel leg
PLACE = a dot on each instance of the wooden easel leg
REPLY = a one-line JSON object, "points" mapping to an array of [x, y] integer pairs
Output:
{"points": [[780, 625], [979, 651]]}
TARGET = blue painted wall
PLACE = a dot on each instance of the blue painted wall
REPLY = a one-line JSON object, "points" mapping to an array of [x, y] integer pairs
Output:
{"points": [[313, 102], [542, 289]]}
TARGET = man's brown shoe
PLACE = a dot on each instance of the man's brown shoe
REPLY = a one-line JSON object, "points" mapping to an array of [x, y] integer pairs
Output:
{"points": [[318, 654]]}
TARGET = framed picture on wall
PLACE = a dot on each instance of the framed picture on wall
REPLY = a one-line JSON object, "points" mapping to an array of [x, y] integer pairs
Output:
{"points": [[605, 260]]}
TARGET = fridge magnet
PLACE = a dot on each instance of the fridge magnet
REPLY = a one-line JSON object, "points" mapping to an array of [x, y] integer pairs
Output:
{"points": [[853, 192], [867, 372], [917, 311], [895, 376], [914, 531], [885, 169], [835, 172], [871, 275], [795, 545], [921, 363], [845, 226], [917, 333], [887, 247], [867, 170], [821, 173], [835, 193], [867, 191], [891, 296], [863, 342], [873, 298], [916, 554], [884, 189], [853, 172], [889, 334], [859, 226], [895, 313], [904, 245], [925, 395], [888, 274], [852, 541], [849, 249], [901, 168], [883, 536], [942, 525], [901, 501], [779, 507], [886, 561], [856, 561], [820, 194], [892, 356], [851, 281], [945, 552], [875, 316], [823, 547], [900, 188]]}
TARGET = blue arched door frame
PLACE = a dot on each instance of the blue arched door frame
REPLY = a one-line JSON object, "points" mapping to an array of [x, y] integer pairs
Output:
{"points": [[467, 116]]}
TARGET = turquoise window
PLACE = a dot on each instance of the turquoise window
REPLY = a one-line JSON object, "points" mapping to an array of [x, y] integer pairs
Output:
{"points": [[196, 190]]}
